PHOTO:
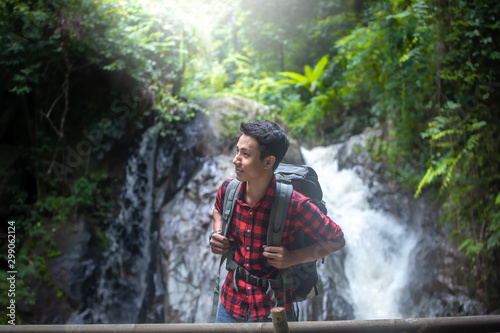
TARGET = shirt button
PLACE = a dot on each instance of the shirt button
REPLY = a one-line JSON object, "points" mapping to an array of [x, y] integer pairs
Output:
{"points": [[251, 213], [247, 265], [248, 248], [249, 288], [248, 230]]}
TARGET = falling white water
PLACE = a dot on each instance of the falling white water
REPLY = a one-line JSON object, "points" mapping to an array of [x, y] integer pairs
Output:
{"points": [[378, 246]]}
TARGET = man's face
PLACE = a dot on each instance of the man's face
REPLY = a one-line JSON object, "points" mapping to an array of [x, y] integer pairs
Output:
{"points": [[247, 162]]}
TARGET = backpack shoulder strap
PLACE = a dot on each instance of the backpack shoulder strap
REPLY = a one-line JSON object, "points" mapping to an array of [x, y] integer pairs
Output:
{"points": [[279, 212], [229, 204], [227, 212], [277, 219]]}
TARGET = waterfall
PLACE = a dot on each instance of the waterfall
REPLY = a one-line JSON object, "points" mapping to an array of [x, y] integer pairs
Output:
{"points": [[378, 245], [124, 274]]}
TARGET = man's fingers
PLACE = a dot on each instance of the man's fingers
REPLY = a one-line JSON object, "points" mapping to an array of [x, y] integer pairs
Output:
{"points": [[220, 241], [272, 252], [220, 244], [273, 249], [220, 238], [219, 249]]}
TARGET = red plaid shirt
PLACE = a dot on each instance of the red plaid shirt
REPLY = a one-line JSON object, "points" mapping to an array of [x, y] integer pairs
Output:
{"points": [[249, 229]]}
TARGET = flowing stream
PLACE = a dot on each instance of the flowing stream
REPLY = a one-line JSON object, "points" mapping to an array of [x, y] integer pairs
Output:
{"points": [[378, 246]]}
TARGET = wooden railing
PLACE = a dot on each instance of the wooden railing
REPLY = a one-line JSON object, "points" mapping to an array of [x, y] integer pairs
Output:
{"points": [[472, 324]]}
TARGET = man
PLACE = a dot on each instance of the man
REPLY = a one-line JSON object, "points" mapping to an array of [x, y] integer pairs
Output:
{"points": [[259, 151]]}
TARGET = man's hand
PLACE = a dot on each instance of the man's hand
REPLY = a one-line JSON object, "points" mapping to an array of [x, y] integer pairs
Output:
{"points": [[281, 258], [220, 244], [278, 257]]}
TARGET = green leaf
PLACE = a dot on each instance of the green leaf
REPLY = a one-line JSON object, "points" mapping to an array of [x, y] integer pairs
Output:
{"points": [[399, 15], [495, 55], [471, 247], [407, 56], [309, 73], [286, 82], [320, 66], [296, 76], [477, 125]]}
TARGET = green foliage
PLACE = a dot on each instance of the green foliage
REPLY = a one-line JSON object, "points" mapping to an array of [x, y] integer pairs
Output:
{"points": [[305, 118], [391, 63], [203, 80], [27, 267], [88, 196], [36, 222], [471, 247], [444, 133], [463, 137], [271, 29], [115, 36], [285, 35], [171, 111], [259, 86], [311, 78], [232, 123], [124, 36], [22, 43], [388, 63], [67, 69]]}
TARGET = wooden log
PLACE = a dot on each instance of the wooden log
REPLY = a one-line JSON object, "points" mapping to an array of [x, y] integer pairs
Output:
{"points": [[280, 323]]}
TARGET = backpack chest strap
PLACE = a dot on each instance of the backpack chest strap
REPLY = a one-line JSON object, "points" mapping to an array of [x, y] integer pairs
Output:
{"points": [[271, 284], [242, 274]]}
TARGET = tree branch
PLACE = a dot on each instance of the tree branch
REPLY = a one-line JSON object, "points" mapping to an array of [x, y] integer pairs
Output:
{"points": [[60, 131]]}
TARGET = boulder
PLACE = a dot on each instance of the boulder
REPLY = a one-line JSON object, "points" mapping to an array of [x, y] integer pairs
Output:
{"points": [[222, 118]]}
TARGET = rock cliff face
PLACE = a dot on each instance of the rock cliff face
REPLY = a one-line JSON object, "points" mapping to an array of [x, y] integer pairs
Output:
{"points": [[159, 267]]}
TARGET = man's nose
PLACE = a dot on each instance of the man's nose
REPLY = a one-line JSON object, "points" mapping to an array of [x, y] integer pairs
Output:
{"points": [[236, 158]]}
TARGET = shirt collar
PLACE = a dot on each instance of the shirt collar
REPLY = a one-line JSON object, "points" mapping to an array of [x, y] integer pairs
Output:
{"points": [[268, 198]]}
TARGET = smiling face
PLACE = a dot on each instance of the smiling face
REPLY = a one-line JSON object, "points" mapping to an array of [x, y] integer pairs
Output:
{"points": [[247, 162]]}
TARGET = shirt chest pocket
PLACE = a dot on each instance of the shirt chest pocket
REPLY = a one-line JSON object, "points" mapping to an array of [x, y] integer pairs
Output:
{"points": [[241, 230]]}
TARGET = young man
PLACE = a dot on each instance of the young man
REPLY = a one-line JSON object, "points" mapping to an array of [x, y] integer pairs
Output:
{"points": [[258, 153]]}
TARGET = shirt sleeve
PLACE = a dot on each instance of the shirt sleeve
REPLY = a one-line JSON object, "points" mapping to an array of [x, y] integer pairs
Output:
{"points": [[313, 222], [219, 200]]}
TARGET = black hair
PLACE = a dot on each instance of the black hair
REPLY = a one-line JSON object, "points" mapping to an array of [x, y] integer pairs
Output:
{"points": [[271, 138]]}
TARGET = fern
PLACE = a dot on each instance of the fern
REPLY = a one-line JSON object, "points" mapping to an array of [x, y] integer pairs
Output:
{"points": [[311, 78], [447, 138]]}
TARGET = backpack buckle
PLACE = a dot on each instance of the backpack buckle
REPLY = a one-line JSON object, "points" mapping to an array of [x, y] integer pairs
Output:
{"points": [[242, 273], [246, 276]]}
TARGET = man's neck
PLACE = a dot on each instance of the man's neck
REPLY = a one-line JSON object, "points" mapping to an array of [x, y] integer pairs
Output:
{"points": [[256, 189]]}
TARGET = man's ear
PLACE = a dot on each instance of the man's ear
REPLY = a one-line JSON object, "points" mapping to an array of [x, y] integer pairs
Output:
{"points": [[269, 162]]}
